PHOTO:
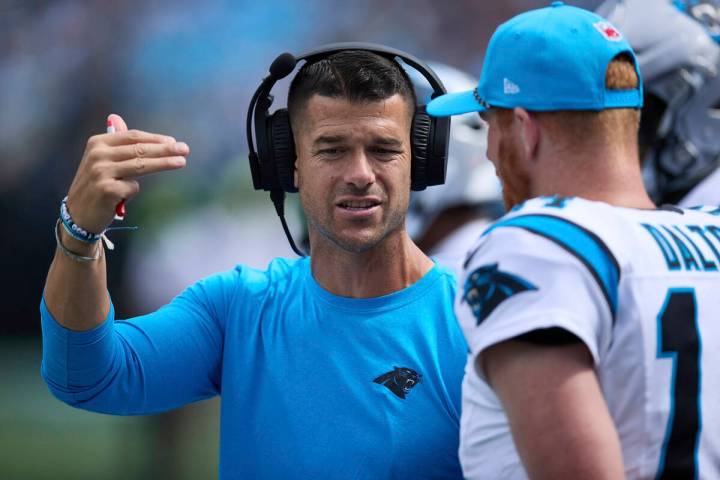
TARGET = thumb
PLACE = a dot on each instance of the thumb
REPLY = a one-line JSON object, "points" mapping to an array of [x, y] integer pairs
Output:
{"points": [[117, 122]]}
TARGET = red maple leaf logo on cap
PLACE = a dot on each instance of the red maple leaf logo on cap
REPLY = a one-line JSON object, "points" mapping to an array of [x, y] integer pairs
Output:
{"points": [[608, 31]]}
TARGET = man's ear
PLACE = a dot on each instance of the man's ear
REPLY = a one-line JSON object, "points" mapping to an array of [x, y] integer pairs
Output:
{"points": [[529, 132]]}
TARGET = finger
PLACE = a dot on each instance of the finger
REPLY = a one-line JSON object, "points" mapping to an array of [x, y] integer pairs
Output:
{"points": [[117, 122], [127, 188], [146, 150], [135, 136], [138, 167]]}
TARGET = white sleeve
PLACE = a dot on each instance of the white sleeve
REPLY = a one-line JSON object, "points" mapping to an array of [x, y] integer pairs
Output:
{"points": [[518, 281]]}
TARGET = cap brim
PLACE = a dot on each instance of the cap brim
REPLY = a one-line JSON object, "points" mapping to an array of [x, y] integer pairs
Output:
{"points": [[454, 104]]}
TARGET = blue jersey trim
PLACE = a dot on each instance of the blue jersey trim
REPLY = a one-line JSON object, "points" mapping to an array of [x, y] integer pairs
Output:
{"points": [[582, 243]]}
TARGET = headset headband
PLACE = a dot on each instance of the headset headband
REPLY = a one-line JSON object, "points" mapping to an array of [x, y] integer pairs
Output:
{"points": [[416, 63]]}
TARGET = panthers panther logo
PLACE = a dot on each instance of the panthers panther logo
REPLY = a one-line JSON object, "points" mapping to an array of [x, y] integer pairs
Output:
{"points": [[400, 380], [487, 287]]}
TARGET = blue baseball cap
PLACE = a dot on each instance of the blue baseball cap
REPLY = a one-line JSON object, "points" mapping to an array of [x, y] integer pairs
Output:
{"points": [[549, 59]]}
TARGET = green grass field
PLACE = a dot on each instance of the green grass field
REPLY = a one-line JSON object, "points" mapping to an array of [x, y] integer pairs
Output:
{"points": [[42, 438]]}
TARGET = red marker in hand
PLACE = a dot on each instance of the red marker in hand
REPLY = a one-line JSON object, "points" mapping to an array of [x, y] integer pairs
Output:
{"points": [[120, 207]]}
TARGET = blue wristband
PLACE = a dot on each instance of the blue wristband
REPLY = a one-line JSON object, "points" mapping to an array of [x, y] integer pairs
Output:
{"points": [[73, 229]]}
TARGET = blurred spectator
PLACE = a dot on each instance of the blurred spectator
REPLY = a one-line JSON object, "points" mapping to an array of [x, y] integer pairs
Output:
{"points": [[679, 57], [445, 220]]}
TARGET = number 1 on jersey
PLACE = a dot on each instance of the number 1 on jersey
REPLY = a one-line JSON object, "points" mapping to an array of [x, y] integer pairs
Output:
{"points": [[678, 339]]}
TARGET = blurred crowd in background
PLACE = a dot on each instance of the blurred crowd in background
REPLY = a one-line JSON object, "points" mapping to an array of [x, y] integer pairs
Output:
{"points": [[185, 68]]}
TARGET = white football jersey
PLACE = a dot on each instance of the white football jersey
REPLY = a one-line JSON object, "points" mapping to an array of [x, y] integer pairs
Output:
{"points": [[641, 289], [707, 192]]}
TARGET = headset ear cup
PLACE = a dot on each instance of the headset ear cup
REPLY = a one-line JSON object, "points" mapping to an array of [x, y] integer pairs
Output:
{"points": [[283, 148], [420, 141]]}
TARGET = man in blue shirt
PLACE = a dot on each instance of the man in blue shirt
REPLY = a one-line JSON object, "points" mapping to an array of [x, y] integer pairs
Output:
{"points": [[346, 364]]}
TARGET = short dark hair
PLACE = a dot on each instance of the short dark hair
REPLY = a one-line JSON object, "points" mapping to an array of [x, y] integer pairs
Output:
{"points": [[357, 75]]}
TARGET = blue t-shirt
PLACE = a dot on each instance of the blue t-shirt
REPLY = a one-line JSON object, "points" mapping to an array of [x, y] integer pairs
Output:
{"points": [[313, 385]]}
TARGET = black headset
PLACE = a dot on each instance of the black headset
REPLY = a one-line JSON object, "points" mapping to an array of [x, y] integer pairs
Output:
{"points": [[273, 165]]}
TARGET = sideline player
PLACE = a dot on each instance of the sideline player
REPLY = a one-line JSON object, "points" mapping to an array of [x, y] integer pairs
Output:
{"points": [[679, 59], [347, 364], [590, 313], [444, 220]]}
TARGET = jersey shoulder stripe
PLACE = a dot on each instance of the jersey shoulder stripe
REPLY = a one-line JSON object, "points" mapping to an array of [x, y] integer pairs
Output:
{"points": [[580, 242], [712, 210]]}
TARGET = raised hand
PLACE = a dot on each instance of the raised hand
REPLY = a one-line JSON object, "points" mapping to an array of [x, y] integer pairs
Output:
{"points": [[109, 169]]}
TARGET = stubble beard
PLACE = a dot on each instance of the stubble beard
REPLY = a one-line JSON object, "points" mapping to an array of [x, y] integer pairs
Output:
{"points": [[322, 224], [359, 244]]}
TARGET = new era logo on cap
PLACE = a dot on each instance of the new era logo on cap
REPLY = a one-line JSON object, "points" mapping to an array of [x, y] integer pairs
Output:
{"points": [[608, 31], [510, 88]]}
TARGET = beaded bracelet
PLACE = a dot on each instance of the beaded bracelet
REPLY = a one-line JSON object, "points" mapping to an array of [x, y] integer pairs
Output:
{"points": [[71, 254], [75, 230]]}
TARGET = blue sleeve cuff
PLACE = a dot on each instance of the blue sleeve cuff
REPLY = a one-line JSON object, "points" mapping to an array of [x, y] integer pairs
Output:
{"points": [[52, 327], [73, 360]]}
